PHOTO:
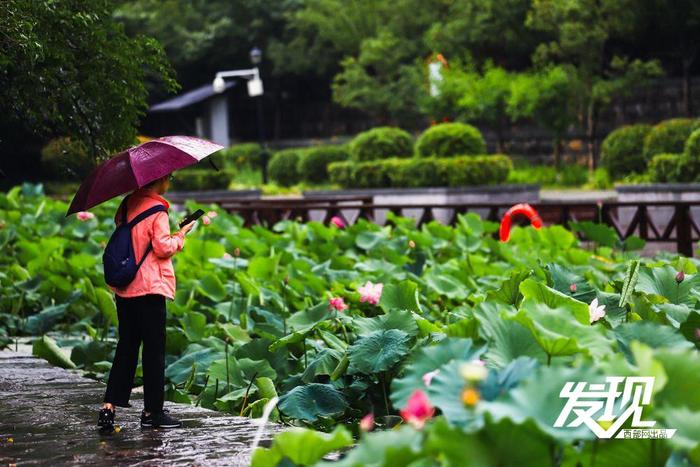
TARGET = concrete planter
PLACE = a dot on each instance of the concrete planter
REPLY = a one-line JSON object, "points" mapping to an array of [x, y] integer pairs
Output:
{"points": [[434, 196]]}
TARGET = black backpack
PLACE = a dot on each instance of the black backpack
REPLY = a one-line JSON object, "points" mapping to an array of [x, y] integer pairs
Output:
{"points": [[119, 260]]}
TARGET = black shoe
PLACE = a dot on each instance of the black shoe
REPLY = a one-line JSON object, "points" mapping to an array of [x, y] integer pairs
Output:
{"points": [[105, 419], [159, 420], [146, 421]]}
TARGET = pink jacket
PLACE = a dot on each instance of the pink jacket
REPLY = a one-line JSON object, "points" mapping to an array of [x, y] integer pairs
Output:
{"points": [[156, 275]]}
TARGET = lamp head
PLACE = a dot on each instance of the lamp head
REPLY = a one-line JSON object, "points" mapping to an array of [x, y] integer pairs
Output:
{"points": [[255, 55], [219, 84]]}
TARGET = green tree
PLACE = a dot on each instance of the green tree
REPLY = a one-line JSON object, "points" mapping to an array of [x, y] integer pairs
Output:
{"points": [[485, 98], [480, 31], [582, 33], [547, 97], [380, 83], [671, 31], [67, 68]]}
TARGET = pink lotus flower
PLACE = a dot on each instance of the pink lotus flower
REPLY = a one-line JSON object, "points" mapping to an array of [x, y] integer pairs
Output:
{"points": [[338, 222], [212, 214], [367, 422], [227, 256], [697, 333], [371, 293], [85, 216], [572, 288], [206, 220], [337, 303], [428, 377], [418, 409]]}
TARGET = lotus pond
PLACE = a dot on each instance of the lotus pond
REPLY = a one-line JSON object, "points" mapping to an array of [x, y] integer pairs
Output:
{"points": [[396, 345]]}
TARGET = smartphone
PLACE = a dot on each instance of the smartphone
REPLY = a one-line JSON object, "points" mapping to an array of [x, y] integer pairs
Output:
{"points": [[192, 217]]}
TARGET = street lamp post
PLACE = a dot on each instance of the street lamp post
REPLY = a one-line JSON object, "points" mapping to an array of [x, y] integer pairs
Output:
{"points": [[256, 58], [255, 90]]}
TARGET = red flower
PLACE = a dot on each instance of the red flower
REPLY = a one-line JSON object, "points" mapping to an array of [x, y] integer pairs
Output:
{"points": [[418, 409], [337, 303], [367, 422]]}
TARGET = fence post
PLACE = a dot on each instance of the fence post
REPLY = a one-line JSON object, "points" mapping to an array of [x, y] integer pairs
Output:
{"points": [[684, 230]]}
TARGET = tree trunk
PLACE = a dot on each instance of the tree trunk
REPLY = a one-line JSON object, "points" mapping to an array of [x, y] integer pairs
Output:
{"points": [[591, 130], [557, 152], [687, 87]]}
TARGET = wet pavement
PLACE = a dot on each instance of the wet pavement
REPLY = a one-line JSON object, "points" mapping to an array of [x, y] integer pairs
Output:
{"points": [[48, 417]]}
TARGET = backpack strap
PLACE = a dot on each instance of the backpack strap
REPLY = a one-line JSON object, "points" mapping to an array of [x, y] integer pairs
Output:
{"points": [[122, 209], [148, 212]]}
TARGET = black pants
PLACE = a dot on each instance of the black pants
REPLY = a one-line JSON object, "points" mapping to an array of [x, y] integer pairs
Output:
{"points": [[141, 319]]}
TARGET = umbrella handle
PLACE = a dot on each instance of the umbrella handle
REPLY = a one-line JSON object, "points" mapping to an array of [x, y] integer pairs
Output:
{"points": [[212, 163]]}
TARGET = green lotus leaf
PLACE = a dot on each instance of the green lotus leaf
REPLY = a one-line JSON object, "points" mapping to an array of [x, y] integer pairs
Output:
{"points": [[378, 351], [46, 348], [507, 339], [312, 401], [211, 287], [302, 446], [426, 359], [400, 296], [402, 320], [558, 332], [661, 282]]}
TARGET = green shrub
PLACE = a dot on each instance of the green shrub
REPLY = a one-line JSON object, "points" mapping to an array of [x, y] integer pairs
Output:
{"points": [[313, 166], [450, 139], [381, 143], [669, 137], [665, 168], [373, 174], [424, 172], [241, 154], [600, 180], [417, 172], [64, 159], [341, 173], [622, 151], [546, 175], [202, 179], [283, 166], [476, 170]]}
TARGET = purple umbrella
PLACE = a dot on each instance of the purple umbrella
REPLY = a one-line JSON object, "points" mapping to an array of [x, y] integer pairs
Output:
{"points": [[138, 166]]}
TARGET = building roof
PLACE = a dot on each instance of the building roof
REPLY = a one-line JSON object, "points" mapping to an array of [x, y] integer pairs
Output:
{"points": [[188, 98]]}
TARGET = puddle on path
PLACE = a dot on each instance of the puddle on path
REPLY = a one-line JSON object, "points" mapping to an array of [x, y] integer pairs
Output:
{"points": [[51, 416]]}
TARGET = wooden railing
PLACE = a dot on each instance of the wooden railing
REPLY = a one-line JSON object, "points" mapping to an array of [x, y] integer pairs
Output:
{"points": [[669, 222]]}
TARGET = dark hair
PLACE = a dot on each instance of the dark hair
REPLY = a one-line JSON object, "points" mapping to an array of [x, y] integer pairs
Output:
{"points": [[150, 184]]}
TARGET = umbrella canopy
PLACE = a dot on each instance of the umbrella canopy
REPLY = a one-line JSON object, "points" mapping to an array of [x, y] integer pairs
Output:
{"points": [[138, 166]]}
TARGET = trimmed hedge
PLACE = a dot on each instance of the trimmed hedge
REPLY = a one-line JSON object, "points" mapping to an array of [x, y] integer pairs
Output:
{"points": [[313, 165], [202, 179], [669, 137], [422, 172], [450, 139], [666, 168], [381, 143], [622, 151], [476, 170], [64, 159], [692, 145], [241, 154], [283, 166]]}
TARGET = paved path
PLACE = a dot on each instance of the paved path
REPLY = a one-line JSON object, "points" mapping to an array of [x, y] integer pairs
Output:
{"points": [[50, 416]]}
